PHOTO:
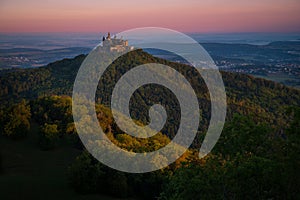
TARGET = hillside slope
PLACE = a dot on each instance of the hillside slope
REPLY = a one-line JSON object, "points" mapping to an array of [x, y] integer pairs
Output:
{"points": [[246, 95]]}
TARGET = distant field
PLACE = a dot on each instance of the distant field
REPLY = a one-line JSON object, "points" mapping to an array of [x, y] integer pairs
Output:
{"points": [[29, 173], [27, 58]]}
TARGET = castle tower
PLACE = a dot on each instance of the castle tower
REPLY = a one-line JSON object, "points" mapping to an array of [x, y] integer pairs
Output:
{"points": [[108, 36]]}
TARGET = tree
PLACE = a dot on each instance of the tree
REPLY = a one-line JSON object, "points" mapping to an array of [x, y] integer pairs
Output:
{"points": [[117, 184], [18, 120], [85, 176], [292, 152], [48, 136], [195, 182], [242, 135]]}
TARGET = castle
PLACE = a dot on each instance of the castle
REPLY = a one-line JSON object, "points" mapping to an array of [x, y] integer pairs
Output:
{"points": [[115, 44]]}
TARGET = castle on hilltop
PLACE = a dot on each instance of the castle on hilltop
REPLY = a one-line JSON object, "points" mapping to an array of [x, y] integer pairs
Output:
{"points": [[115, 44]]}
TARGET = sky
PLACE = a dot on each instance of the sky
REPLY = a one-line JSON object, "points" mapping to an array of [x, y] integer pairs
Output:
{"points": [[203, 16]]}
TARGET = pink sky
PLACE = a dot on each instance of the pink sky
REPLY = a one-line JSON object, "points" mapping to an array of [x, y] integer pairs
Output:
{"points": [[119, 15]]}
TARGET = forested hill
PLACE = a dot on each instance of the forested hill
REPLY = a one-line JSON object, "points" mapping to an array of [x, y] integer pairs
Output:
{"points": [[245, 94], [256, 157], [55, 78]]}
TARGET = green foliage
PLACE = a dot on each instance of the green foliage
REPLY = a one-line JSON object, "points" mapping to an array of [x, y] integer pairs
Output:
{"points": [[243, 178], [17, 121], [117, 184], [291, 155], [149, 185], [256, 178], [193, 183], [48, 136], [252, 160], [246, 95], [35, 82], [246, 164], [55, 110], [243, 135], [87, 175]]}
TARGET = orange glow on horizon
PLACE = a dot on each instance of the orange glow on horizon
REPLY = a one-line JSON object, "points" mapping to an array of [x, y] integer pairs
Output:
{"points": [[187, 16]]}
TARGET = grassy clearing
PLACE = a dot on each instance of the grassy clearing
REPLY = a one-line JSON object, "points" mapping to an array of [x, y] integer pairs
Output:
{"points": [[29, 173]]}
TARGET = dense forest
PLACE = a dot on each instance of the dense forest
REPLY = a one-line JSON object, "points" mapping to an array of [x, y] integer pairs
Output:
{"points": [[257, 156]]}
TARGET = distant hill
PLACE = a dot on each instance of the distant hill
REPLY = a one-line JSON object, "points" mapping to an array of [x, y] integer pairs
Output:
{"points": [[31, 57]]}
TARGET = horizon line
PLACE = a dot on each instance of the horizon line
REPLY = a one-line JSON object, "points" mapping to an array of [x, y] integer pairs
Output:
{"points": [[115, 32]]}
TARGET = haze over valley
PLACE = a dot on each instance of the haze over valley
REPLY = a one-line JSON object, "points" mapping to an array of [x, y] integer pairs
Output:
{"points": [[272, 56]]}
